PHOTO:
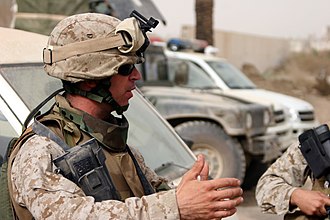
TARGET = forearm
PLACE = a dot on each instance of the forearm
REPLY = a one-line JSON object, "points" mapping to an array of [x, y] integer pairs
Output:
{"points": [[60, 205], [273, 195], [276, 185], [48, 195]]}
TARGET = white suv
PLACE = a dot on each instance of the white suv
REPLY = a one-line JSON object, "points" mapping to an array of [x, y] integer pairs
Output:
{"points": [[232, 82]]}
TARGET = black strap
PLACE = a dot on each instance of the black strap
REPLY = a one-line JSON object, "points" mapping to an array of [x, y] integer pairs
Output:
{"points": [[44, 131], [99, 94], [148, 190], [35, 111]]}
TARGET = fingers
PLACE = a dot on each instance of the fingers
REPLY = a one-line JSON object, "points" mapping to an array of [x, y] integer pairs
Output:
{"points": [[229, 203], [225, 208], [228, 193], [224, 183], [322, 211], [325, 206], [219, 196], [204, 174], [224, 213], [197, 169], [230, 197]]}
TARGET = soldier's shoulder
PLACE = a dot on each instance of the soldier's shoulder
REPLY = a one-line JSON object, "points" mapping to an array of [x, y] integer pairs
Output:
{"points": [[40, 145]]}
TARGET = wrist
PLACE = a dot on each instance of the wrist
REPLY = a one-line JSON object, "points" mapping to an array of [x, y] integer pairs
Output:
{"points": [[294, 197]]}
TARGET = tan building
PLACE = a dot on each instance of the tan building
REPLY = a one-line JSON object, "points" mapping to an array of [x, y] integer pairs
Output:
{"points": [[8, 9], [260, 51]]}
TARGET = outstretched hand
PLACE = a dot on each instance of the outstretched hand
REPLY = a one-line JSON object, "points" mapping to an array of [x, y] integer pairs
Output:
{"points": [[207, 199]]}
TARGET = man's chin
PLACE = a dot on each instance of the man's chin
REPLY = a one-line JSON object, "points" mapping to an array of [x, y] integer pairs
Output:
{"points": [[129, 95]]}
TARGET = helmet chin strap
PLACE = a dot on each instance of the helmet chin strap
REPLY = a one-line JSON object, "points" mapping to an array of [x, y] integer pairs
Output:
{"points": [[100, 94]]}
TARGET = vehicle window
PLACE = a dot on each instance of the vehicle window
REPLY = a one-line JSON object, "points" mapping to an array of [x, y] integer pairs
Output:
{"points": [[154, 70], [162, 71], [189, 74], [233, 77], [30, 82], [7, 132], [149, 134]]}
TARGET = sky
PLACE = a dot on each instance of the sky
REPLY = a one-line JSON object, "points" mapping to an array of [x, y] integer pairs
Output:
{"points": [[276, 18]]}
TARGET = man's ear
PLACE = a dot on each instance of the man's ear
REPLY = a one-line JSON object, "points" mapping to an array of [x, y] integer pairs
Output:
{"points": [[88, 85]]}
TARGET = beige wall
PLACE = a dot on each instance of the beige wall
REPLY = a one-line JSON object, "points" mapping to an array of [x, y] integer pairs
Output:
{"points": [[238, 48], [8, 9]]}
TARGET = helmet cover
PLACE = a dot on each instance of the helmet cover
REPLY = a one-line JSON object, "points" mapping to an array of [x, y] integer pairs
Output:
{"points": [[90, 63]]}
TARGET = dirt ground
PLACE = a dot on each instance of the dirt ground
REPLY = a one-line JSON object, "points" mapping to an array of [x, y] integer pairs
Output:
{"points": [[305, 76]]}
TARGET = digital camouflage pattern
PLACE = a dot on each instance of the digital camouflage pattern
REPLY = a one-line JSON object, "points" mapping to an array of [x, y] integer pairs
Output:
{"points": [[95, 65], [276, 185], [48, 195], [51, 196]]}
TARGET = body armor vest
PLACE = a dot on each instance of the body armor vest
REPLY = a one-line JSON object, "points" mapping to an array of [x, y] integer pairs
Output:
{"points": [[123, 168]]}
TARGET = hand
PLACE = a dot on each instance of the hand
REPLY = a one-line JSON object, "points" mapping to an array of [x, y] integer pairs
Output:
{"points": [[207, 199], [310, 202]]}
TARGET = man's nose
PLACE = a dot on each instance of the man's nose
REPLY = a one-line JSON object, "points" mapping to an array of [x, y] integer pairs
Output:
{"points": [[135, 75]]}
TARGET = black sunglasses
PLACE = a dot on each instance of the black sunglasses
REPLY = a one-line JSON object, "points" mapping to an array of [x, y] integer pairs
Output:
{"points": [[126, 69]]}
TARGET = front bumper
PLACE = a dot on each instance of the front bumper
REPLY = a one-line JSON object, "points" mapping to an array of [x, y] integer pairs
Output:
{"points": [[299, 127], [267, 146]]}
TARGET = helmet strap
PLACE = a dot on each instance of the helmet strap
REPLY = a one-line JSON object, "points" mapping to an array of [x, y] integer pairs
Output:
{"points": [[99, 94]]}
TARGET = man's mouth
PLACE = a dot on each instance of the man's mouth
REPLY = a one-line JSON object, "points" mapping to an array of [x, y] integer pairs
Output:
{"points": [[132, 88]]}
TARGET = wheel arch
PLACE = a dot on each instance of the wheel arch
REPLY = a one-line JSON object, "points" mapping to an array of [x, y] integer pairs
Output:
{"points": [[208, 136], [179, 120]]}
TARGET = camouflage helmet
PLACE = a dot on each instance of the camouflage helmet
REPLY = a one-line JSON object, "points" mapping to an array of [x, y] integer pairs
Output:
{"points": [[91, 46]]}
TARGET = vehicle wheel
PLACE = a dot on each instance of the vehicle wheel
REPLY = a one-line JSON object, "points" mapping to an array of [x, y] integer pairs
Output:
{"points": [[254, 171], [224, 154]]}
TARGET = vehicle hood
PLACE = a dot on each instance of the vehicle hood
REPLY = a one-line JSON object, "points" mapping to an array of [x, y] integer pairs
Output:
{"points": [[266, 97], [177, 102], [196, 96], [31, 44]]}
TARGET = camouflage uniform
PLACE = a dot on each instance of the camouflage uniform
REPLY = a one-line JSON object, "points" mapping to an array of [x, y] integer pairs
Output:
{"points": [[276, 185], [85, 47], [48, 195]]}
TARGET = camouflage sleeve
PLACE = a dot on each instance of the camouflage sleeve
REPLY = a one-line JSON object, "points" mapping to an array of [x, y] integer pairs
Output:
{"points": [[51, 196], [153, 178], [276, 185]]}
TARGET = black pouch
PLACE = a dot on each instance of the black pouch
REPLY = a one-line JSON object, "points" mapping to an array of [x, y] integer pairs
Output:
{"points": [[85, 165]]}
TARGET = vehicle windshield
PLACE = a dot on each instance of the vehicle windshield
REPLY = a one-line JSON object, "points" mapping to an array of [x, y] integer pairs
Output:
{"points": [[233, 77], [30, 83], [148, 132], [6, 133]]}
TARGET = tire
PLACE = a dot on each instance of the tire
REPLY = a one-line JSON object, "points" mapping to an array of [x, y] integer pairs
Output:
{"points": [[253, 172], [224, 154]]}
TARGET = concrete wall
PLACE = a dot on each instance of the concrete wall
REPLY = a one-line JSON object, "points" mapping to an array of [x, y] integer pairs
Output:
{"points": [[262, 52]]}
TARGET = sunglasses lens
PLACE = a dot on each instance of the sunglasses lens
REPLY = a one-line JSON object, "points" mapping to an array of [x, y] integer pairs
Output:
{"points": [[125, 69]]}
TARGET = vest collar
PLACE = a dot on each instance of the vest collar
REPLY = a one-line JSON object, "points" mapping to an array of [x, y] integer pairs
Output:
{"points": [[111, 133]]}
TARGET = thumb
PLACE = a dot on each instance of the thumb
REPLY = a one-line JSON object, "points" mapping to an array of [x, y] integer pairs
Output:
{"points": [[204, 174], [197, 168]]}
